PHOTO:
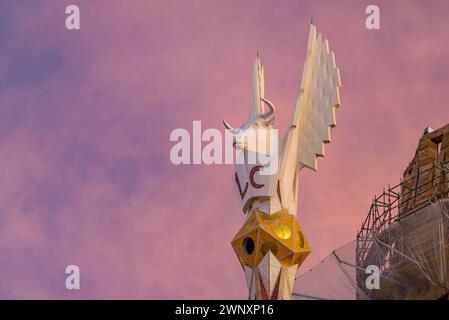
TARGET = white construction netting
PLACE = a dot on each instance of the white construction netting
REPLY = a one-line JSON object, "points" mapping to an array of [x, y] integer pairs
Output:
{"points": [[411, 254]]}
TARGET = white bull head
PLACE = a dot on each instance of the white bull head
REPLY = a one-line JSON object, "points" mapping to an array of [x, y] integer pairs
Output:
{"points": [[254, 134]]}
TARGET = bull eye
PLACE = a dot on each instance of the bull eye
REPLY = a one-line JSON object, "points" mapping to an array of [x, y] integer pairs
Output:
{"points": [[248, 245]]}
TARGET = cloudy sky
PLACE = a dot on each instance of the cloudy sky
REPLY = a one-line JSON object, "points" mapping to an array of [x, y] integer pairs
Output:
{"points": [[85, 120]]}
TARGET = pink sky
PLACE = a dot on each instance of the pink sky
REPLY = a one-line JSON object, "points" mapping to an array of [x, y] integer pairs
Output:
{"points": [[85, 174]]}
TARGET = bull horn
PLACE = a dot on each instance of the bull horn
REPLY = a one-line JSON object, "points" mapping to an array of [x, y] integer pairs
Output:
{"points": [[269, 112], [228, 126]]}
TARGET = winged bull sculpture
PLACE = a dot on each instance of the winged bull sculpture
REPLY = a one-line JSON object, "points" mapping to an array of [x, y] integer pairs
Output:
{"points": [[270, 245]]}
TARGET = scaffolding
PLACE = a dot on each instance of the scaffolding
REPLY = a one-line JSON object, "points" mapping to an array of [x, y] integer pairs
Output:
{"points": [[406, 197], [405, 236]]}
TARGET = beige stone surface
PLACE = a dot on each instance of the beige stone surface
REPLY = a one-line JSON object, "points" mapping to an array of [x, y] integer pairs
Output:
{"points": [[424, 179]]}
